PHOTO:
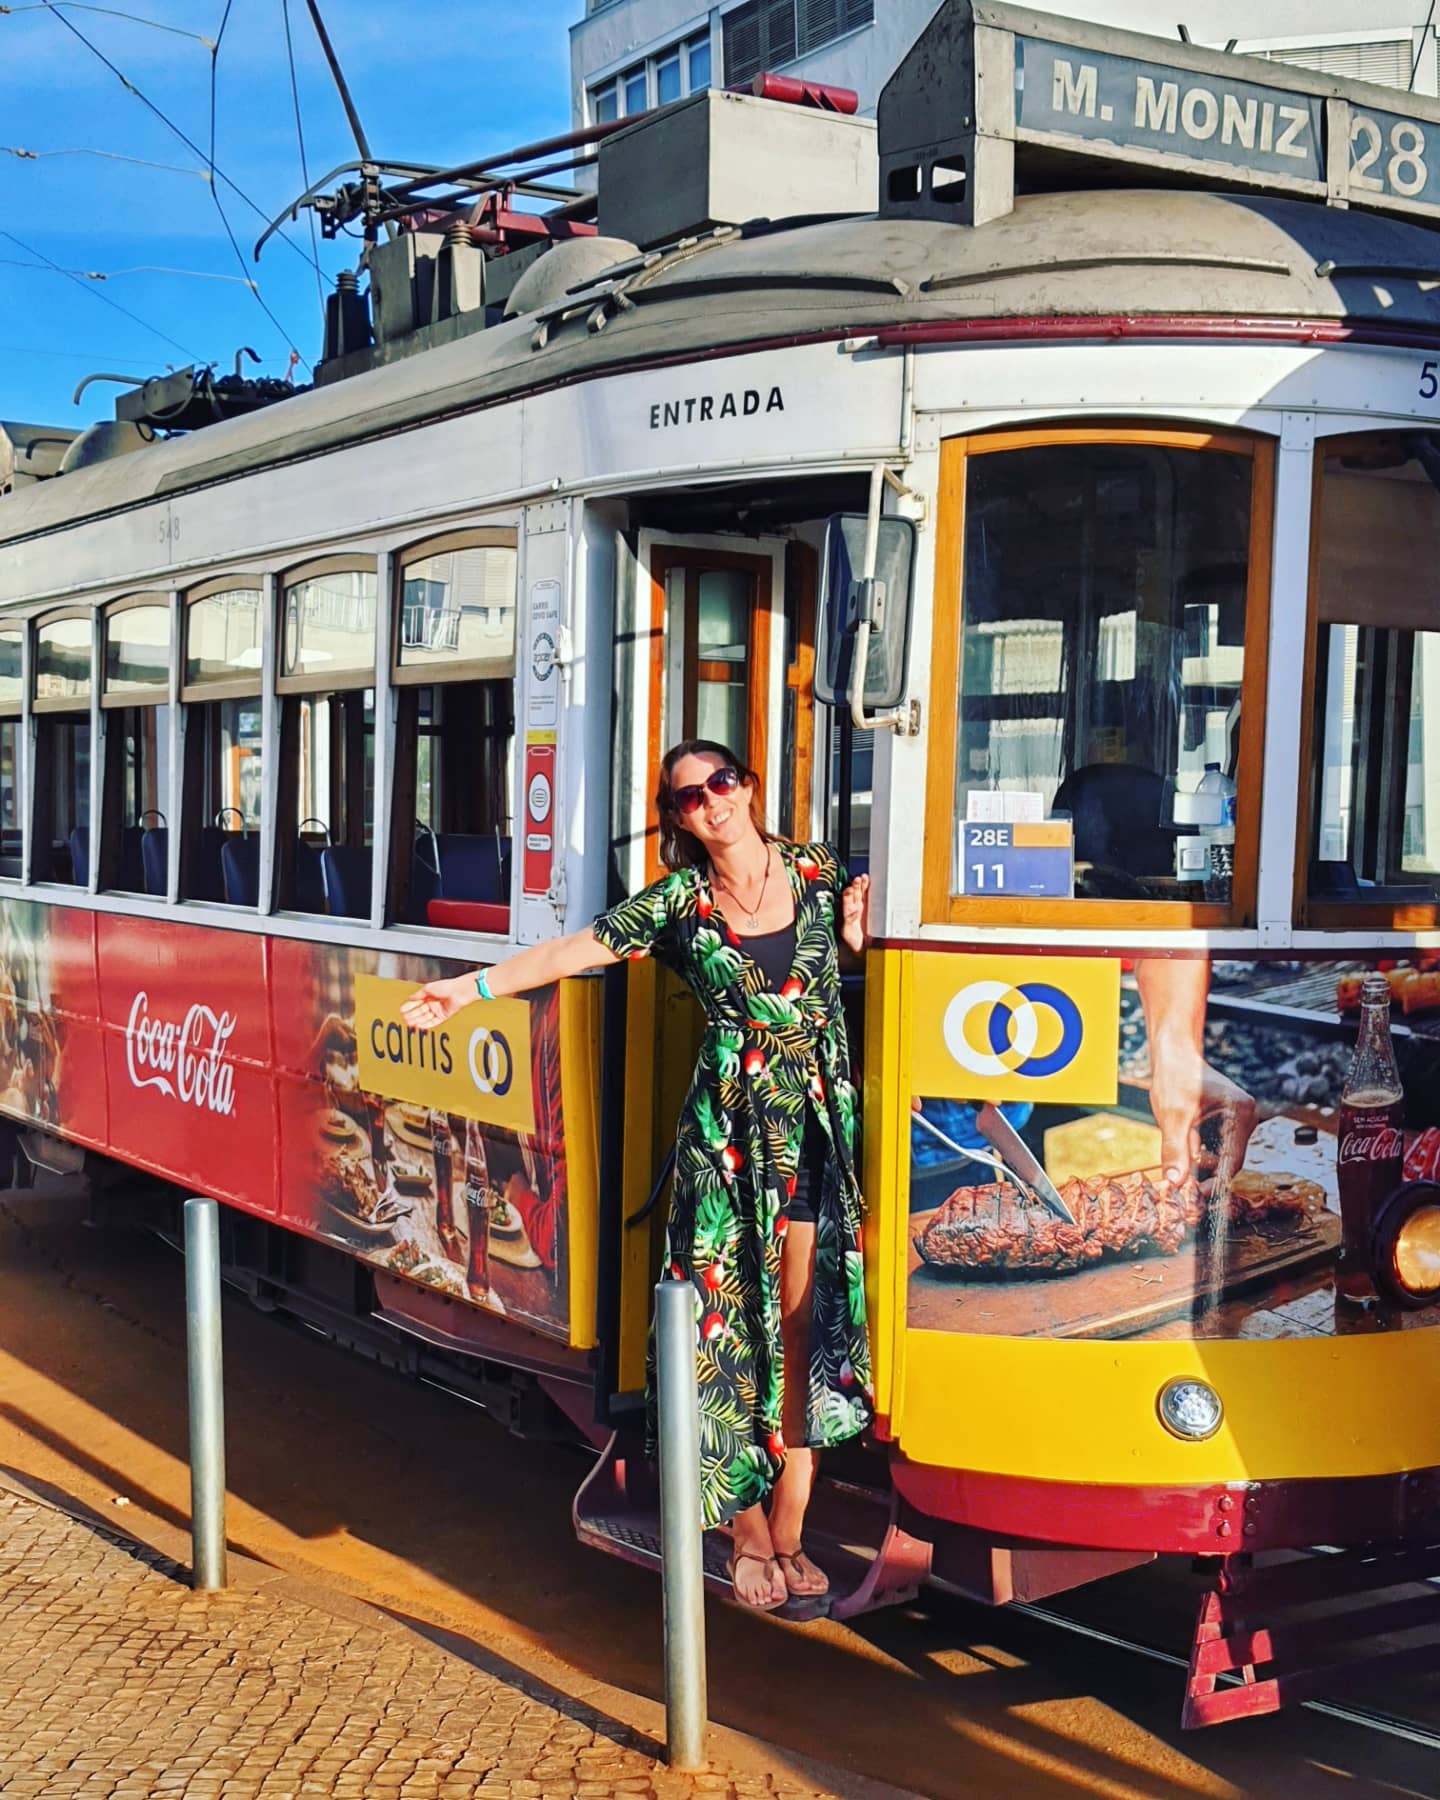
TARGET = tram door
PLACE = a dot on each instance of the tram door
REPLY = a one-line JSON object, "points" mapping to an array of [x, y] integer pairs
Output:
{"points": [[731, 659]]}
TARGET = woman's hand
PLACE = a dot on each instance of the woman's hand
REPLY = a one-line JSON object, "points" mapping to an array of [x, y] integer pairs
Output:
{"points": [[854, 911], [437, 1001]]}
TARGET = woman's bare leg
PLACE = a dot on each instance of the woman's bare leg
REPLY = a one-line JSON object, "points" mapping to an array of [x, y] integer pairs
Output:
{"points": [[791, 1497]]}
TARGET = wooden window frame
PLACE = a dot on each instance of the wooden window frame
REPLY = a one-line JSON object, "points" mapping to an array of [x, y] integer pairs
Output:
{"points": [[71, 703], [331, 681], [223, 687], [938, 905], [1386, 915], [476, 669], [150, 694], [663, 559]]}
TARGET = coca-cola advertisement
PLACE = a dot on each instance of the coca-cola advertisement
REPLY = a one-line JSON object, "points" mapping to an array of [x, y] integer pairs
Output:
{"points": [[237, 1065], [1224, 1181]]}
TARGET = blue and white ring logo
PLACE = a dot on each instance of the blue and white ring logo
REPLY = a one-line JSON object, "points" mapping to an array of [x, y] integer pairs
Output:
{"points": [[992, 1028], [492, 1067]]}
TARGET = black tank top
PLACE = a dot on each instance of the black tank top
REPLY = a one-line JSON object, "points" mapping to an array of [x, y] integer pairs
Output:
{"points": [[774, 951]]}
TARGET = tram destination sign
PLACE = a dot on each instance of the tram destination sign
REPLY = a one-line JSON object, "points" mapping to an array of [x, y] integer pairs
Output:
{"points": [[996, 91]]}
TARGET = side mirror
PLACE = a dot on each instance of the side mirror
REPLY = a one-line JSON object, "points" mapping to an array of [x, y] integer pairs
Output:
{"points": [[846, 600]]}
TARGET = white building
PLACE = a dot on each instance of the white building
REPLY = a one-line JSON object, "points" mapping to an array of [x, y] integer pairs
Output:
{"points": [[628, 55]]}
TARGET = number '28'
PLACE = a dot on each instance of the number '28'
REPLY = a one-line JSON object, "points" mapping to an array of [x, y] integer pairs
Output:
{"points": [[1405, 171]]}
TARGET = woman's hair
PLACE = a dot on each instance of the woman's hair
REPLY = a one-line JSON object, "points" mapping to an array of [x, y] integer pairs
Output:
{"points": [[679, 848]]}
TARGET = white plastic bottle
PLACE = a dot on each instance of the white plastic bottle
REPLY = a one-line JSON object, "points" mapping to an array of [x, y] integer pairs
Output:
{"points": [[1218, 830]]}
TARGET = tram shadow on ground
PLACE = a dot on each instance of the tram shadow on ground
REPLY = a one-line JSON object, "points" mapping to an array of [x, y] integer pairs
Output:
{"points": [[346, 1474]]}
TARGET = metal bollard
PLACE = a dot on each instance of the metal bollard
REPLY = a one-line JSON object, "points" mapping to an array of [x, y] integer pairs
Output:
{"points": [[207, 1393], [680, 1540]]}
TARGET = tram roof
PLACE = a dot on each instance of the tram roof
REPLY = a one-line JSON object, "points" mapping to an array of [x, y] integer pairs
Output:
{"points": [[1100, 253]]}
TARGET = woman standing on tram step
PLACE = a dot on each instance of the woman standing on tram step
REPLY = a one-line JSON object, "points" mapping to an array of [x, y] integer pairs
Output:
{"points": [[765, 1218]]}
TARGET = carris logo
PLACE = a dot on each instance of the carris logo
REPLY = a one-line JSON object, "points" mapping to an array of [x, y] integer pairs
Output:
{"points": [[188, 1060], [994, 1029]]}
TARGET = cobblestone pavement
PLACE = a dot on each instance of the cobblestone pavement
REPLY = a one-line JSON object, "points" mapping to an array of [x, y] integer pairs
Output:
{"points": [[116, 1679]]}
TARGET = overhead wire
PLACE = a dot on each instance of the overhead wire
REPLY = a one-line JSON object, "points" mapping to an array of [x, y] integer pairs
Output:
{"points": [[143, 162], [300, 139], [295, 355], [110, 12], [14, 262], [89, 288], [217, 173]]}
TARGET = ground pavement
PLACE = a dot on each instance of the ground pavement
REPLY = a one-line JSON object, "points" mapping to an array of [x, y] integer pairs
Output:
{"points": [[116, 1679]]}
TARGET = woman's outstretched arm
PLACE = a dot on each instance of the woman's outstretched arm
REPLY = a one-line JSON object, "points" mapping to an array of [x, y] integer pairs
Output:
{"points": [[432, 1004]]}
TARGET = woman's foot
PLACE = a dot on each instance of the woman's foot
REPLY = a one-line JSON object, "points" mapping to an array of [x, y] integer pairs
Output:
{"points": [[752, 1568], [757, 1580], [803, 1578]]}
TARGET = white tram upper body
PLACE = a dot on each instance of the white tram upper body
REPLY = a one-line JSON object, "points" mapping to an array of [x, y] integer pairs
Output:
{"points": [[1147, 342]]}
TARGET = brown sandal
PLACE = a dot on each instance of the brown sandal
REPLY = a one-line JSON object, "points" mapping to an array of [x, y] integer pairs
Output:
{"points": [[740, 1556], [795, 1580]]}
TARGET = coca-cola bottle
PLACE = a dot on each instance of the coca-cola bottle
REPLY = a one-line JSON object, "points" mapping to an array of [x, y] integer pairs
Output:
{"points": [[1371, 1151], [477, 1210], [442, 1143]]}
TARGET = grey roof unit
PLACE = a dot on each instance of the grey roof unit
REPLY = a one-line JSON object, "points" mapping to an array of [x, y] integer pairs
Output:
{"points": [[31, 452], [723, 159]]}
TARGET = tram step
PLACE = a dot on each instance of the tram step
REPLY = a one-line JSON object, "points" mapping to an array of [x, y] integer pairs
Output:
{"points": [[869, 1560]]}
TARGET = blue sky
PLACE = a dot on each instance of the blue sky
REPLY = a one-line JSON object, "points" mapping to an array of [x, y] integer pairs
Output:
{"points": [[433, 84]]}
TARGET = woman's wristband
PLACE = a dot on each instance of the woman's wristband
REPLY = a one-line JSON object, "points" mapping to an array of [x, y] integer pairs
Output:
{"points": [[482, 985]]}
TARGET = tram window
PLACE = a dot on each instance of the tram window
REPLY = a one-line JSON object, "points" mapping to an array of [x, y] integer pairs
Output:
{"points": [[135, 695], [1375, 806], [220, 692], [62, 798], [454, 674], [63, 665], [1102, 649], [12, 742]]}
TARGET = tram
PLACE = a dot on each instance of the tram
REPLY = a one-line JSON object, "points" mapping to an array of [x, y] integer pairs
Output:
{"points": [[1040, 485]]}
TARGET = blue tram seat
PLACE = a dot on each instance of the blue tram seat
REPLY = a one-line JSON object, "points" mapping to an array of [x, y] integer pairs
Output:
{"points": [[346, 872], [155, 857], [309, 880], [80, 855], [240, 868], [473, 867], [130, 878], [424, 887]]}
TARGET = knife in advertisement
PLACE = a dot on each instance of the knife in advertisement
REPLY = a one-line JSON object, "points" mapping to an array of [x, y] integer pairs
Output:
{"points": [[997, 1131]]}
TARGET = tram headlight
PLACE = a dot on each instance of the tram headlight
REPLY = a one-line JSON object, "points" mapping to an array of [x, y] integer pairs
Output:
{"points": [[1405, 1244], [1190, 1409]]}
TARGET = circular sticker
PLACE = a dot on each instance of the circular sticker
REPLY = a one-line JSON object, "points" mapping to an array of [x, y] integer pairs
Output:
{"points": [[538, 798]]}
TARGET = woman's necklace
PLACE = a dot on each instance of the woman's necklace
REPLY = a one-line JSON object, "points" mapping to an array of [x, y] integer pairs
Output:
{"points": [[752, 913]]}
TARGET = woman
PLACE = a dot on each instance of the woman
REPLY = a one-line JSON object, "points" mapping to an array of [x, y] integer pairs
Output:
{"points": [[765, 1216]]}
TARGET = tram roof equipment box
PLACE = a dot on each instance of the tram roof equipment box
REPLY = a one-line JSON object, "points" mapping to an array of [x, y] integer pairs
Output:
{"points": [[725, 159], [996, 100]]}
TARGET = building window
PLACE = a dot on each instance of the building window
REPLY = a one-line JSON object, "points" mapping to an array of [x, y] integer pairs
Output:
{"points": [[765, 34], [679, 69], [1388, 61]]}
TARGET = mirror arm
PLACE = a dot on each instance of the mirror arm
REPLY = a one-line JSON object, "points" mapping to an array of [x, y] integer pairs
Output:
{"points": [[904, 719]]}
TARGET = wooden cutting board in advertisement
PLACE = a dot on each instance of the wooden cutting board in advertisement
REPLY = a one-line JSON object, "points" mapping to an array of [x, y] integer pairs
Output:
{"points": [[1129, 1298]]}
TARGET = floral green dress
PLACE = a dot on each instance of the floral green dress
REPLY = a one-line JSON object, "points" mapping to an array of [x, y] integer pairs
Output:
{"points": [[764, 1059]]}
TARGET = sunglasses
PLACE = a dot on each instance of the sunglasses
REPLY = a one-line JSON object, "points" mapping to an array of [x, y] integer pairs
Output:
{"points": [[689, 798]]}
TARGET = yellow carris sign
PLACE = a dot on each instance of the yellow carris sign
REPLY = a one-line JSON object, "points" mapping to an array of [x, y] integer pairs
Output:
{"points": [[1043, 1028], [476, 1065]]}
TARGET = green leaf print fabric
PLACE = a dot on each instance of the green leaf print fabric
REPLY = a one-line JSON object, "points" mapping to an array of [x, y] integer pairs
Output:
{"points": [[765, 1059]]}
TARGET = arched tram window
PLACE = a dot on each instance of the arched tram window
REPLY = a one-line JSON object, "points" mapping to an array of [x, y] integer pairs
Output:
{"points": [[1370, 832], [1100, 618], [135, 694], [12, 749], [324, 830], [220, 692], [64, 655], [453, 677]]}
